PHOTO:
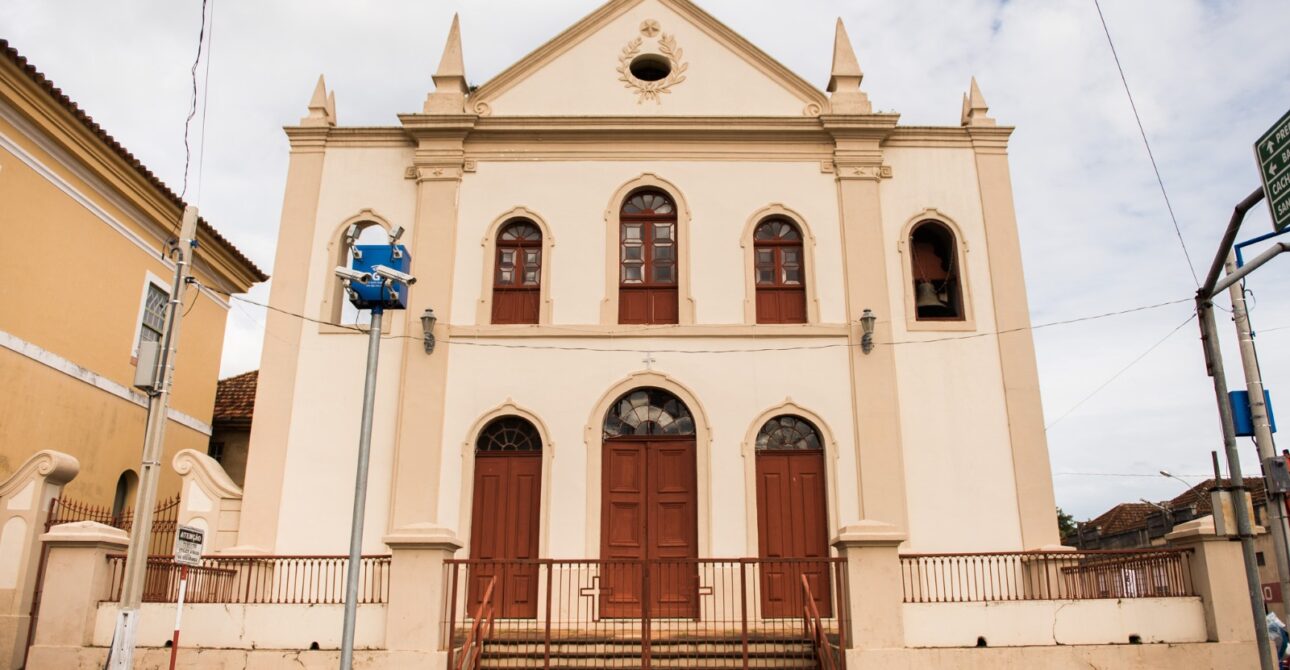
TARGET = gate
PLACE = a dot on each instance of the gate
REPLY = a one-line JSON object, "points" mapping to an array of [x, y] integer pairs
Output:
{"points": [[165, 521]]}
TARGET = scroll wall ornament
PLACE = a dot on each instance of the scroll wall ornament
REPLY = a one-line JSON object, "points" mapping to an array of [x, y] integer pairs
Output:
{"points": [[651, 90]]}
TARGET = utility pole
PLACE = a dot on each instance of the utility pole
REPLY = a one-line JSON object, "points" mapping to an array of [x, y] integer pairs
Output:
{"points": [[1262, 427], [121, 655]]}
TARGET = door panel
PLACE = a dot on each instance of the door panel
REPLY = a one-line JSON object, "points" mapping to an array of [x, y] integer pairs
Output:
{"points": [[505, 519], [649, 513], [792, 525]]}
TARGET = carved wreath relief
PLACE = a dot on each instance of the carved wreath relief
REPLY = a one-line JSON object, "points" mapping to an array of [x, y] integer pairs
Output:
{"points": [[651, 90]]}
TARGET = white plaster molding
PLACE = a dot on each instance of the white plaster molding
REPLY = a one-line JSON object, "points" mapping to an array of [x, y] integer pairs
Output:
{"points": [[52, 360], [207, 472], [55, 466]]}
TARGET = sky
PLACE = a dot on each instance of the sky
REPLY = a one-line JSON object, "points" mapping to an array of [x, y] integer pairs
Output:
{"points": [[1207, 77]]}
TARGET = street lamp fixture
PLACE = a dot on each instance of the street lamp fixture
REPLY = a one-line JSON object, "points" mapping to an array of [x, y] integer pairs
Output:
{"points": [[867, 319], [1166, 473], [428, 320]]}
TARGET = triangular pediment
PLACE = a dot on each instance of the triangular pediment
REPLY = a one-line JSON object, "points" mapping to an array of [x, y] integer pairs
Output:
{"points": [[587, 70]]}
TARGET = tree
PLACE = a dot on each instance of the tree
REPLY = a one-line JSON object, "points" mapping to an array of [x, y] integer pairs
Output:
{"points": [[1065, 523]]}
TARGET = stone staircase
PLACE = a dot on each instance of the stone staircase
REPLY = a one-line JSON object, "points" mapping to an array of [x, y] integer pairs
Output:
{"points": [[786, 653]]}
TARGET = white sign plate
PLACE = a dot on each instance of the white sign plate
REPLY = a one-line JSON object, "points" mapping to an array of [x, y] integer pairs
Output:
{"points": [[188, 545]]}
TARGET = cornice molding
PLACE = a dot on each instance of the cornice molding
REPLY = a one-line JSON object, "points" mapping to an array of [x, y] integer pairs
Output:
{"points": [[574, 331]]}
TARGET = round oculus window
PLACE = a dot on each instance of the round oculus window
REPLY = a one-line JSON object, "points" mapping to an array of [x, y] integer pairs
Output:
{"points": [[650, 67]]}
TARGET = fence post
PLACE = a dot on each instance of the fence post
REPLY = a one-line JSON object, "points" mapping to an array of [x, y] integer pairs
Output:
{"points": [[1219, 579], [77, 555], [874, 597], [413, 615], [24, 507], [209, 499]]}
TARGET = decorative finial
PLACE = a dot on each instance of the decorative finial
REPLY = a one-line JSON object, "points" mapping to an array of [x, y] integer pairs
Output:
{"points": [[331, 107], [975, 108], [318, 115], [450, 88], [845, 77]]}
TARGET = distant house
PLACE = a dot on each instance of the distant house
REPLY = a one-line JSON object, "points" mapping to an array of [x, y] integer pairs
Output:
{"points": [[231, 423], [86, 276]]}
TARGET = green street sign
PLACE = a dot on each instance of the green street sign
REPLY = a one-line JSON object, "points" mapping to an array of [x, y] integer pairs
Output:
{"points": [[1273, 153]]}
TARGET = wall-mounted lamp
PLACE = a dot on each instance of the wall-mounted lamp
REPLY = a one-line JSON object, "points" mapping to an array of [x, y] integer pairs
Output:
{"points": [[867, 319], [428, 320]]}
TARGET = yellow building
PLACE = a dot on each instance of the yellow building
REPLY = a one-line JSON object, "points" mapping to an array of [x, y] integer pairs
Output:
{"points": [[84, 229]]}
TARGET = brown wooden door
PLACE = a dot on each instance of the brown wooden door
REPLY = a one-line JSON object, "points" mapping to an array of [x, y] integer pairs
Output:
{"points": [[504, 527], [649, 517], [792, 524]]}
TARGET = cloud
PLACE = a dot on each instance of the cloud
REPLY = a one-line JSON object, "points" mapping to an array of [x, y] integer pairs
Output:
{"points": [[1207, 79]]}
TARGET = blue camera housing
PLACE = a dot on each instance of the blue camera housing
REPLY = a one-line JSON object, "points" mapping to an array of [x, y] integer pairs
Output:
{"points": [[380, 293]]}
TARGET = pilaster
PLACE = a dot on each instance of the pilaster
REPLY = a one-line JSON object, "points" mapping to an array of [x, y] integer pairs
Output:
{"points": [[414, 615], [1031, 470], [77, 554], [874, 390], [24, 508], [275, 393], [872, 553], [1218, 575], [438, 165]]}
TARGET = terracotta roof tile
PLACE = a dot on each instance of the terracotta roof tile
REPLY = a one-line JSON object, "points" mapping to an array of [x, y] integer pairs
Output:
{"points": [[1123, 517], [1198, 495], [235, 398], [57, 94]]}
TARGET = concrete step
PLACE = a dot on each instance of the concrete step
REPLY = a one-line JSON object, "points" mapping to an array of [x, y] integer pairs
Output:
{"points": [[625, 654]]}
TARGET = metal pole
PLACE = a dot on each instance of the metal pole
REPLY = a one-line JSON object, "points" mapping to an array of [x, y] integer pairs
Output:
{"points": [[1235, 275], [360, 493], [1262, 428], [179, 614], [1214, 360], [121, 656]]}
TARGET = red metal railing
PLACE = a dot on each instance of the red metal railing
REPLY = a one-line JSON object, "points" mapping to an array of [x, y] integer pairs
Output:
{"points": [[735, 613], [826, 653], [309, 580], [472, 650], [1039, 575]]}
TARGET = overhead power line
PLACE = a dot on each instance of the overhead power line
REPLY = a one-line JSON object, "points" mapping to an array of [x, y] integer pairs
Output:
{"points": [[1159, 180], [192, 107]]}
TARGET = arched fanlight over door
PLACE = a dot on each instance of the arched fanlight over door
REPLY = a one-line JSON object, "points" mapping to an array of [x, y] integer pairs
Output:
{"points": [[647, 259], [517, 277], [788, 432], [648, 411]]}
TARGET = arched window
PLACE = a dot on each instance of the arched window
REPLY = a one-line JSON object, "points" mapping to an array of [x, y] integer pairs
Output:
{"points": [[509, 434], [343, 311], [788, 432], [517, 279], [938, 289], [780, 277], [648, 411], [126, 485], [647, 259]]}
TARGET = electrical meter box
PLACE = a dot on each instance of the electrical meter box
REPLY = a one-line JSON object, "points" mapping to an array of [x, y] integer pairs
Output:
{"points": [[1241, 413], [379, 292]]}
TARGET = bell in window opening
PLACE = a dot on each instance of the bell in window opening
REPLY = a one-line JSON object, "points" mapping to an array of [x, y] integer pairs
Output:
{"points": [[934, 261]]}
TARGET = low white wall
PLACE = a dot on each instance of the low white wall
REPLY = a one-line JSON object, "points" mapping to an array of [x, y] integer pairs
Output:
{"points": [[230, 626], [1049, 622]]}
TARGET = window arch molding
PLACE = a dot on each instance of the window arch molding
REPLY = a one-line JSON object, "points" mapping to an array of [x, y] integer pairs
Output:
{"points": [[488, 246], [685, 299], [333, 294], [593, 438], [778, 211], [748, 450], [962, 250], [467, 494]]}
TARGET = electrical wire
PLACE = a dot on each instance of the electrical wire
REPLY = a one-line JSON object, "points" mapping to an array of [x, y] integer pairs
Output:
{"points": [[465, 340], [206, 98], [1123, 474], [1168, 205], [1121, 371], [192, 107]]}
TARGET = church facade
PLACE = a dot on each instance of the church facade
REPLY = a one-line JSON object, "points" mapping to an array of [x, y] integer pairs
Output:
{"points": [[646, 229]]}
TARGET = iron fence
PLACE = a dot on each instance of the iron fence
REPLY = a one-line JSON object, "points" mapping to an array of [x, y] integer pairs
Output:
{"points": [[1039, 575], [279, 580]]}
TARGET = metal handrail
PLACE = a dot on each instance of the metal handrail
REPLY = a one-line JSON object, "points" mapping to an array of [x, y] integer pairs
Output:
{"points": [[815, 628], [473, 646]]}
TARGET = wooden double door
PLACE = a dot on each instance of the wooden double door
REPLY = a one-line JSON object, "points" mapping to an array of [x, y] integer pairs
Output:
{"points": [[792, 531], [649, 528], [504, 528]]}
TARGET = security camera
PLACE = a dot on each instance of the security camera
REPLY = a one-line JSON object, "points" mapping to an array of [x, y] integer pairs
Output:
{"points": [[351, 235], [350, 274], [393, 275], [395, 234]]}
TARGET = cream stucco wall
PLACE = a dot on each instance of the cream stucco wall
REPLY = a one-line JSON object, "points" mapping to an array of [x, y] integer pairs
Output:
{"points": [[1054, 622]]}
